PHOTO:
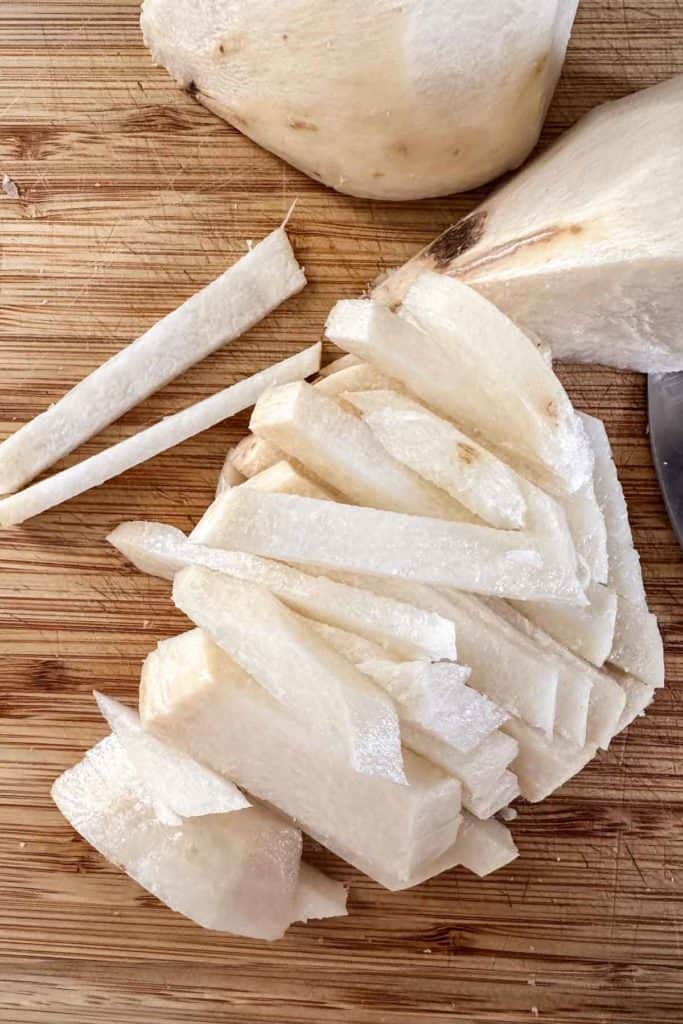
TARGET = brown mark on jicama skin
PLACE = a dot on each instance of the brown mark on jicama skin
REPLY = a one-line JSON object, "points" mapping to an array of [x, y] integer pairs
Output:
{"points": [[466, 453], [456, 240], [229, 45], [301, 125], [546, 237]]}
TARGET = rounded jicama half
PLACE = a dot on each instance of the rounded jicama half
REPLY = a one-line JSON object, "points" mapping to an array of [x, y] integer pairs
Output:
{"points": [[372, 97]]}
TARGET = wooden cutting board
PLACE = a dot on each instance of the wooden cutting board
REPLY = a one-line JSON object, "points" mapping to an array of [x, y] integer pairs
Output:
{"points": [[133, 197]]}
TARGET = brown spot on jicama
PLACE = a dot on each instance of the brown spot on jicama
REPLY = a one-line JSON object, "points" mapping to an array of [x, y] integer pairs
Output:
{"points": [[466, 453], [229, 45], [301, 125], [378, 174], [400, 148], [540, 66], [457, 239], [551, 409], [547, 237]]}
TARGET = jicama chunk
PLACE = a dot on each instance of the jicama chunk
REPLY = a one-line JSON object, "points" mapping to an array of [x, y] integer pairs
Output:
{"points": [[226, 308], [179, 786], [252, 455], [543, 765], [588, 632], [484, 846], [637, 647], [488, 802], [577, 679], [386, 544], [230, 872], [443, 455], [587, 527], [229, 477], [407, 631], [342, 451], [516, 403], [624, 572], [638, 697], [283, 478], [194, 696], [155, 439], [318, 896], [353, 717], [478, 770], [435, 697]]}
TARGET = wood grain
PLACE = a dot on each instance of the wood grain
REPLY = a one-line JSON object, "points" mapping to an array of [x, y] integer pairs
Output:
{"points": [[132, 197]]}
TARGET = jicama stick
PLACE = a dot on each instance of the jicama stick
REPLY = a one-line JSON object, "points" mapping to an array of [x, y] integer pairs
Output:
{"points": [[194, 696], [229, 872], [354, 717], [284, 478], [179, 786], [443, 455], [588, 632], [535, 421], [225, 309], [489, 802], [342, 451], [252, 455], [341, 363], [587, 526], [638, 697], [406, 631], [150, 442], [361, 377], [386, 544], [484, 846], [543, 765], [229, 477], [637, 647]]}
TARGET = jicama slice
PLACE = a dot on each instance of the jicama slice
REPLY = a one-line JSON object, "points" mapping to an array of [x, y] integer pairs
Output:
{"points": [[638, 697], [478, 770], [194, 696], [435, 697], [637, 647], [318, 896], [488, 802], [530, 415], [386, 544], [341, 363], [352, 716], [230, 872], [150, 442], [361, 377], [543, 765], [252, 455], [588, 632], [577, 677], [179, 786], [342, 451], [443, 455], [587, 526], [226, 308], [352, 646], [229, 477], [284, 478], [407, 631], [624, 572]]}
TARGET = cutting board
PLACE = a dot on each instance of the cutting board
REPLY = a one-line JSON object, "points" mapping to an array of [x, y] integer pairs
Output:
{"points": [[133, 197]]}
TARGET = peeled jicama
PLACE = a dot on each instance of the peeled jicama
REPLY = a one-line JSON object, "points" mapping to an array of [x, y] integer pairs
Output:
{"points": [[375, 98]]}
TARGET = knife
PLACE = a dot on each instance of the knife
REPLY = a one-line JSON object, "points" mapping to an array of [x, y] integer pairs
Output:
{"points": [[665, 410]]}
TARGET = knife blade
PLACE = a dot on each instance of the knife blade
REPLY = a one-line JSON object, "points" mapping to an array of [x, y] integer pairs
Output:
{"points": [[665, 412]]}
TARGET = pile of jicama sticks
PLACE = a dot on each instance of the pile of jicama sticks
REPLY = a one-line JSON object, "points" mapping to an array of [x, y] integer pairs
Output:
{"points": [[414, 599]]}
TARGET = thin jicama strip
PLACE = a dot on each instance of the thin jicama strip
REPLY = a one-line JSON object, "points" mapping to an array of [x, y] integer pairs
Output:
{"points": [[637, 647], [386, 544], [489, 802], [587, 527], [284, 478], [443, 455], [252, 455], [478, 770], [407, 631], [543, 765], [588, 632], [342, 451], [222, 311], [150, 442], [341, 363]]}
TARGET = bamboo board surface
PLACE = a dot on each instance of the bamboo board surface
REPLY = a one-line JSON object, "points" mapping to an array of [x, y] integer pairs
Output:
{"points": [[132, 197]]}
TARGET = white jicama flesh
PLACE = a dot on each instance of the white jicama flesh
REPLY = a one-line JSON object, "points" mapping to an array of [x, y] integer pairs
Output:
{"points": [[488, 802], [543, 765], [588, 530], [406, 631], [638, 697], [360, 377], [588, 632], [283, 478], [435, 697], [516, 404], [342, 451], [179, 786], [228, 477], [484, 846], [386, 544], [236, 872], [373, 99], [443, 455], [478, 770], [341, 363], [582, 246], [352, 716], [252, 455], [225, 309], [194, 696], [637, 647], [318, 896], [155, 439], [624, 572]]}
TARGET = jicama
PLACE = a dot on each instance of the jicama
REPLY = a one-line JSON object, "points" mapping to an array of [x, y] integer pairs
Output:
{"points": [[155, 439], [194, 696], [252, 455], [518, 404], [339, 449], [637, 646], [249, 290], [638, 697], [352, 717], [407, 631], [229, 872], [478, 770], [587, 526], [318, 896], [228, 477], [488, 802], [484, 846], [443, 455], [283, 478], [588, 631], [179, 786], [341, 363], [542, 765], [386, 544]]}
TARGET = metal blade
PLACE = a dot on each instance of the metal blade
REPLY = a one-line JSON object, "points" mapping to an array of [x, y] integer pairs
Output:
{"points": [[665, 408]]}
